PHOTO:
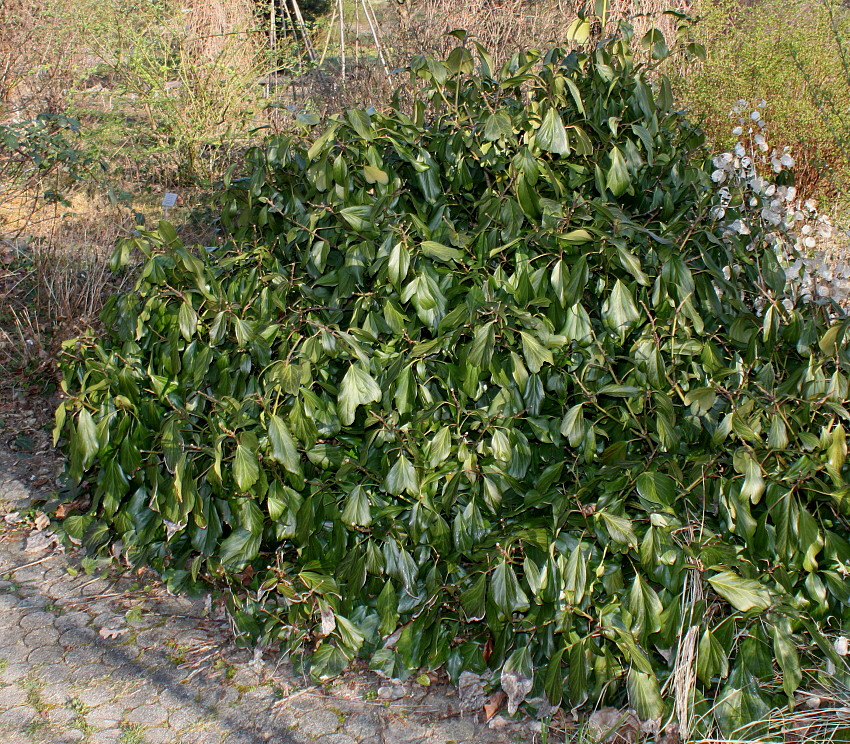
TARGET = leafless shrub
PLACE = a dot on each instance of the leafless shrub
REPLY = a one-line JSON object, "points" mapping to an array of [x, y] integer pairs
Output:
{"points": [[36, 50]]}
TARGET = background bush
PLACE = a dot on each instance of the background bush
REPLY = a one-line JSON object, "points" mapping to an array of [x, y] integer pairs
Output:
{"points": [[791, 54]]}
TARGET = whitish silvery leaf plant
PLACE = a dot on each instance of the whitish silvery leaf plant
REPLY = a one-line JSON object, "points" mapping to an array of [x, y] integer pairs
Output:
{"points": [[756, 198]]}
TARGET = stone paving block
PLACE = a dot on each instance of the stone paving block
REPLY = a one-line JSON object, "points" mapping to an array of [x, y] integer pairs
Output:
{"points": [[336, 739], [61, 716], [83, 655], [55, 693], [106, 736], [8, 601], [90, 673], [454, 729], [40, 637], [105, 716], [29, 575], [45, 655], [11, 696], [14, 653], [72, 620], [183, 717], [96, 695], [362, 726], [148, 715], [160, 735], [14, 672], [319, 722], [17, 718]]}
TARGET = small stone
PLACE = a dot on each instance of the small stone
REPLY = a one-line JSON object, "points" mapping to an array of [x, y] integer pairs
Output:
{"points": [[499, 722], [391, 692]]}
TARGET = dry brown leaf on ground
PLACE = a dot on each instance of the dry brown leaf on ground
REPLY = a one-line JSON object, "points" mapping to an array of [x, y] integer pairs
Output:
{"points": [[63, 510], [613, 726], [38, 542], [494, 704], [112, 632], [516, 687], [470, 692]]}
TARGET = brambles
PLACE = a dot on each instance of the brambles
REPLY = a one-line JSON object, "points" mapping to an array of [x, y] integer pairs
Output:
{"points": [[469, 386]]}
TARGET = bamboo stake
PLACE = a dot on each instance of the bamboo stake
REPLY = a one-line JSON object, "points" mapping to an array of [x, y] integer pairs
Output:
{"points": [[342, 37], [367, 7], [311, 52], [328, 37]]}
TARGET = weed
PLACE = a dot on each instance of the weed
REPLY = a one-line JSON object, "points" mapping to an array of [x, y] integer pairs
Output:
{"points": [[131, 733], [229, 671], [4, 664], [133, 615], [341, 715], [79, 722], [56, 609], [34, 687]]}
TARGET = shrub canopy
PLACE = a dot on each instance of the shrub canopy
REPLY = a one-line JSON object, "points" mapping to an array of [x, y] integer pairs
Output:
{"points": [[481, 383]]}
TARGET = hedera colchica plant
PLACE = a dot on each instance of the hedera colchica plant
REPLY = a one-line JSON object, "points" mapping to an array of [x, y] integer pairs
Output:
{"points": [[480, 382]]}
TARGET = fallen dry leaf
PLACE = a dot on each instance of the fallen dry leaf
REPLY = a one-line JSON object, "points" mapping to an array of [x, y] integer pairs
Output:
{"points": [[38, 542], [613, 726], [494, 704], [63, 510], [487, 651], [112, 632], [13, 518], [42, 521], [470, 691], [516, 687]]}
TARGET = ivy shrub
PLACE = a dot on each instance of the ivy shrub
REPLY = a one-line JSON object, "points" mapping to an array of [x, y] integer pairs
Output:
{"points": [[482, 382]]}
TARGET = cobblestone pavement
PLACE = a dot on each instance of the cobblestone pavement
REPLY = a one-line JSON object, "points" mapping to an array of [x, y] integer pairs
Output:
{"points": [[90, 656]]}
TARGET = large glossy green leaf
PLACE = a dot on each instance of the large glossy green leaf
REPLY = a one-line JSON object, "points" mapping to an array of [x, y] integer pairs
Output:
{"points": [[358, 388], [283, 445], [743, 594], [552, 136], [246, 469]]}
